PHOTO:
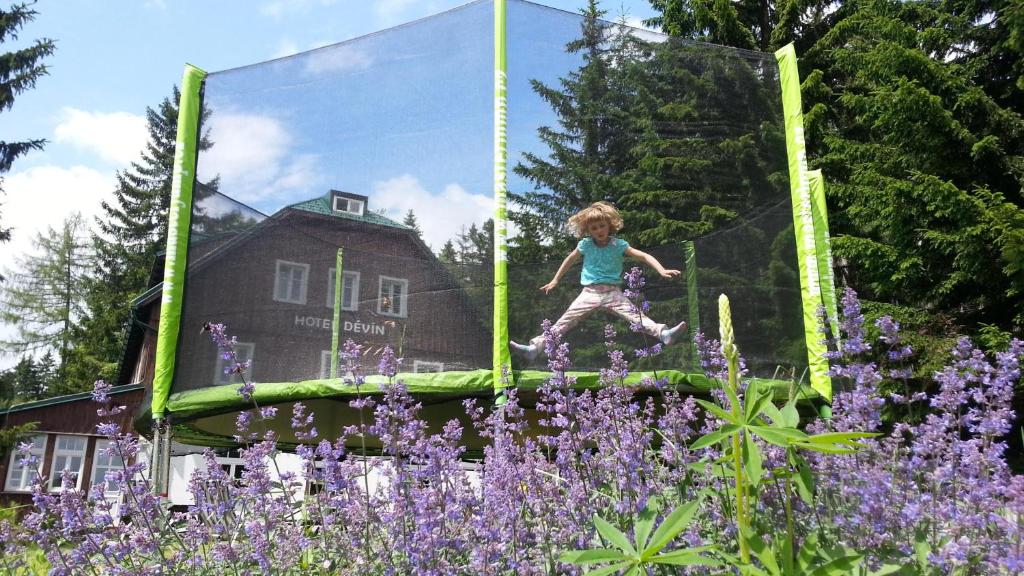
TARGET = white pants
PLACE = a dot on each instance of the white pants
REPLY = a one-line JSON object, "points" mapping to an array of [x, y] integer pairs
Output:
{"points": [[600, 297]]}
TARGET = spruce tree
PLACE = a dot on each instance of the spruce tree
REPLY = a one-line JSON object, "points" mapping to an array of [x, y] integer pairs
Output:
{"points": [[132, 231], [19, 71], [411, 221], [589, 149]]}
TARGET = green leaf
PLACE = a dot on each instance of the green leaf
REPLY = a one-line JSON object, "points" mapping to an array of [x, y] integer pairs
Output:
{"points": [[607, 570], [840, 437], [775, 415], [715, 437], [753, 461], [888, 569], [591, 556], [825, 448], [779, 436], [751, 396], [613, 535], [838, 566], [673, 524], [790, 415], [634, 571], [645, 522], [805, 484], [765, 554], [756, 404], [718, 411], [685, 557]]}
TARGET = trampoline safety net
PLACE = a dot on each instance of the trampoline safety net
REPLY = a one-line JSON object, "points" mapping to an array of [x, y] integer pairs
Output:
{"points": [[348, 193]]}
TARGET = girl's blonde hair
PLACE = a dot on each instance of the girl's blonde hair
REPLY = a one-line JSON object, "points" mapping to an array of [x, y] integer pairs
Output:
{"points": [[579, 221]]}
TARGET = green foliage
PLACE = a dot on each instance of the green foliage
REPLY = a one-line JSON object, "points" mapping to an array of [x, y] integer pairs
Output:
{"points": [[43, 298], [132, 228], [645, 550], [11, 435], [19, 71], [411, 221]]}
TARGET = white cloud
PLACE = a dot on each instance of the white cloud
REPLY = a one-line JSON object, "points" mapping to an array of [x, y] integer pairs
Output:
{"points": [[342, 58], [390, 11], [117, 137], [41, 197], [285, 48], [279, 8], [253, 158], [441, 216]]}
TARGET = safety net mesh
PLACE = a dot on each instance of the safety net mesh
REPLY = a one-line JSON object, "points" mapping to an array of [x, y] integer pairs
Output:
{"points": [[375, 157]]}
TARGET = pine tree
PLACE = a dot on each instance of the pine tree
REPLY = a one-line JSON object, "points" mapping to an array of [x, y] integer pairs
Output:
{"points": [[132, 230], [448, 254], [31, 378], [19, 71], [412, 222], [44, 297], [589, 149]]}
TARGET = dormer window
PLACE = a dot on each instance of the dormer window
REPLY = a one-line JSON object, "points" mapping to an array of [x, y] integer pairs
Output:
{"points": [[348, 203]]}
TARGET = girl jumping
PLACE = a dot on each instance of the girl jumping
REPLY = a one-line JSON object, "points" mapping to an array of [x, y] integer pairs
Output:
{"points": [[601, 278]]}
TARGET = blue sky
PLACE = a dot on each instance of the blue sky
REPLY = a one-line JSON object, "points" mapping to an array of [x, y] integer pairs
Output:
{"points": [[115, 58]]}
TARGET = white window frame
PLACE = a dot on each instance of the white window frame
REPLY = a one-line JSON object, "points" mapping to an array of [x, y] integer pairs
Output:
{"points": [[354, 306], [54, 483], [404, 311], [99, 473], [303, 288], [26, 475], [243, 351], [232, 465], [325, 364], [360, 205], [418, 365]]}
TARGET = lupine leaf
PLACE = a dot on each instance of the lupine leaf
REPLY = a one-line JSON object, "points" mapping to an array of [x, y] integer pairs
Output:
{"points": [[791, 418], [613, 535], [840, 437], [753, 460], [838, 566], [673, 524], [609, 569], [752, 394], [775, 415], [645, 522], [685, 557], [779, 436], [718, 411], [755, 404], [591, 556], [825, 448], [715, 437]]}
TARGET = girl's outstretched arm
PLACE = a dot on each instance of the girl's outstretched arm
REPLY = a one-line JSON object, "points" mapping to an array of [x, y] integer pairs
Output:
{"points": [[651, 261], [571, 259]]}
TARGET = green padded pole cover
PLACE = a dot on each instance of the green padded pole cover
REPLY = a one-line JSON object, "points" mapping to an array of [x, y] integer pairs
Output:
{"points": [[178, 222], [692, 301], [823, 250], [803, 219], [501, 358], [336, 326]]}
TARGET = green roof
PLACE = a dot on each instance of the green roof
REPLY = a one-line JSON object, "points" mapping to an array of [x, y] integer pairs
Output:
{"points": [[114, 390], [322, 205]]}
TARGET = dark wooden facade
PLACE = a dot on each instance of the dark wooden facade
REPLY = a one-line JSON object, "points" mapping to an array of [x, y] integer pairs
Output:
{"points": [[72, 415], [235, 284]]}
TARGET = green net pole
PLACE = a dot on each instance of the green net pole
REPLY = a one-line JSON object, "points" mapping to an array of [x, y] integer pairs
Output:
{"points": [[823, 250], [179, 220], [692, 301], [336, 322], [501, 358], [803, 219]]}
